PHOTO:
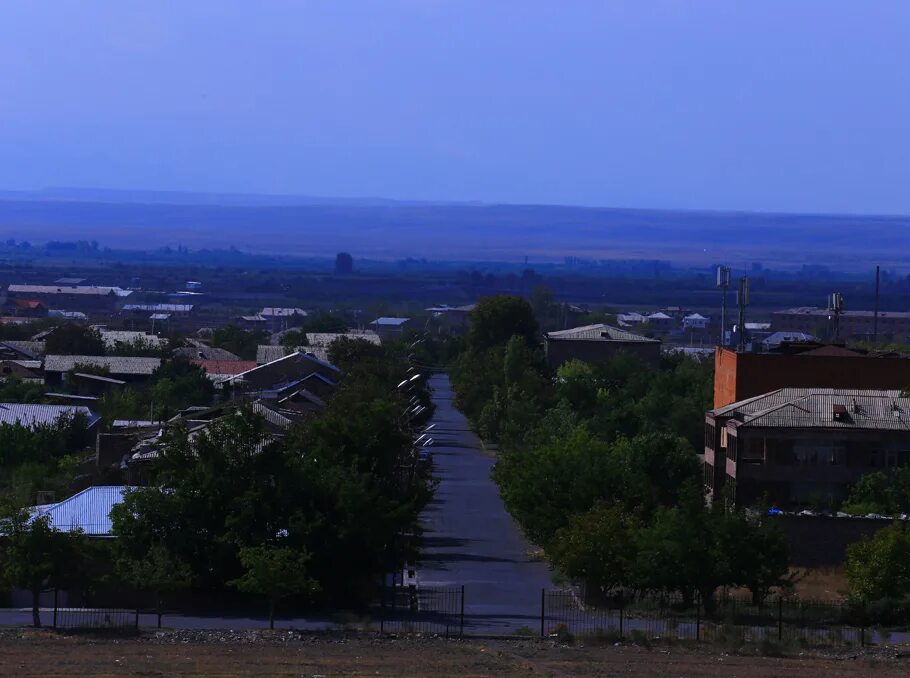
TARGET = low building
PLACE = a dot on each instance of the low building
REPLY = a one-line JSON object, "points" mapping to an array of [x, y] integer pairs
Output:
{"points": [[221, 370], [597, 343], [113, 338], [451, 319], [22, 350], [279, 378], [803, 446], [318, 343], [125, 368], [695, 321], [389, 326]]}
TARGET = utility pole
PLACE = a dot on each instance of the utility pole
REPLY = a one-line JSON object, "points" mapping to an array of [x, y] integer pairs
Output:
{"points": [[875, 316], [742, 299], [836, 306], [723, 282]]}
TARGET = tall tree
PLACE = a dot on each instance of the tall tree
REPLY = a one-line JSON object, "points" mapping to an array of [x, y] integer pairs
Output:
{"points": [[275, 572], [497, 319]]}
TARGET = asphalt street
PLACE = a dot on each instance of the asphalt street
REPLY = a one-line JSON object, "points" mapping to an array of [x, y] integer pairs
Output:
{"points": [[470, 539]]}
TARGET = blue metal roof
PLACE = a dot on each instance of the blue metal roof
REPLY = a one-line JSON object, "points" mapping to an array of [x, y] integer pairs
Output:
{"points": [[89, 510]]}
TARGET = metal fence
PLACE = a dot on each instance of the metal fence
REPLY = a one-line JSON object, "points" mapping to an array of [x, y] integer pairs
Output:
{"points": [[723, 620], [435, 610], [95, 619]]}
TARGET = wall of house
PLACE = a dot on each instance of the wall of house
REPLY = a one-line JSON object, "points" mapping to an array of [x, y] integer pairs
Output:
{"points": [[559, 352], [743, 375]]}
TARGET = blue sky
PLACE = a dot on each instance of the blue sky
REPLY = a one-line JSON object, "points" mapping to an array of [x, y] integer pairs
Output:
{"points": [[785, 105]]}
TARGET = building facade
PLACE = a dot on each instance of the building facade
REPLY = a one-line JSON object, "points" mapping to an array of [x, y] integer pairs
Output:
{"points": [[598, 343]]}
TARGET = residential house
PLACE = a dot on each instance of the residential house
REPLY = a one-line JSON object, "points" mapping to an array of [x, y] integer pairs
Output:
{"points": [[389, 326], [281, 377], [32, 415], [595, 343], [85, 298], [124, 368], [88, 511]]}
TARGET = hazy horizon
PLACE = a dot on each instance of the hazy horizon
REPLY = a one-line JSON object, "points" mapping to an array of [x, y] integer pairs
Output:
{"points": [[778, 107]]}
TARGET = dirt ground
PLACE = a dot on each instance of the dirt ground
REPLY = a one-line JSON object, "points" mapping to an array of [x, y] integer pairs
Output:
{"points": [[44, 653]]}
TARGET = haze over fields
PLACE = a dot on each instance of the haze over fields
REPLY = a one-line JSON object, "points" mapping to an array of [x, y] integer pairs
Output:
{"points": [[387, 229]]}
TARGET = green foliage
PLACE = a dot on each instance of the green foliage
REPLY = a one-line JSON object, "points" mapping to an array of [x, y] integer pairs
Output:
{"points": [[239, 341], [497, 319], [36, 555], [325, 321], [275, 572], [878, 567], [878, 492], [292, 339], [72, 339], [346, 352], [14, 390]]}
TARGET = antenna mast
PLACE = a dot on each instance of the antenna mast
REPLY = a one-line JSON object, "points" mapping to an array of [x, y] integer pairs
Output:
{"points": [[836, 306], [742, 300], [723, 282]]}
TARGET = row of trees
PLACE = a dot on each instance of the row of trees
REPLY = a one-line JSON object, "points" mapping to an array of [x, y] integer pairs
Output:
{"points": [[597, 463]]}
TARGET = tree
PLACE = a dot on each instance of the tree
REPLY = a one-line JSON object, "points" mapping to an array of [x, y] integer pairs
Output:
{"points": [[325, 322], [346, 352], [879, 566], [275, 572], [37, 555], [292, 339], [72, 339], [344, 264], [497, 319], [238, 340], [598, 547], [157, 571]]}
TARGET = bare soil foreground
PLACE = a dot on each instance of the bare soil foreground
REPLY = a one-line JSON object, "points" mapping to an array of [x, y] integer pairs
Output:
{"points": [[225, 653]]}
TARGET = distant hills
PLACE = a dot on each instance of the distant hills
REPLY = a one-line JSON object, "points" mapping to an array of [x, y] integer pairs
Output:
{"points": [[389, 229]]}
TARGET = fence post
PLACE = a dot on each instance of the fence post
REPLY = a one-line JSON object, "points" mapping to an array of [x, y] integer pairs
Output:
{"points": [[55, 606], [780, 618], [461, 620], [621, 605], [862, 628], [382, 610], [543, 604], [698, 617]]}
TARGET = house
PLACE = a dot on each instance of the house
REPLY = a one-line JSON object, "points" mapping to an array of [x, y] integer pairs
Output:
{"points": [[113, 338], [889, 325], [660, 322], [266, 353], [597, 343], [283, 318], [451, 319], [171, 309], [221, 370], [88, 511], [22, 350], [199, 350], [280, 377], [695, 321], [128, 369], [629, 319], [28, 371], [30, 415], [795, 447], [774, 340], [389, 326], [29, 308], [252, 322], [318, 343], [738, 376]]}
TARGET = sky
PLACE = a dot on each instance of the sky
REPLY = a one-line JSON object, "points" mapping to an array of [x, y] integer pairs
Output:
{"points": [[770, 105]]}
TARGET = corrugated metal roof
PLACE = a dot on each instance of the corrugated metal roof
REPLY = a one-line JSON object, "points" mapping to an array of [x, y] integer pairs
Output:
{"points": [[226, 367], [89, 510], [90, 290], [274, 312], [159, 308], [30, 349], [389, 322], [27, 415], [115, 364], [266, 353], [112, 337], [816, 407], [599, 332]]}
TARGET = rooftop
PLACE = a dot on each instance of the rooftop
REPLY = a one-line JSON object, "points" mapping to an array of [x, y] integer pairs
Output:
{"points": [[818, 311], [822, 408], [599, 332], [226, 368], [389, 322], [28, 416], [273, 312], [114, 364], [88, 290], [113, 337], [89, 510], [159, 308]]}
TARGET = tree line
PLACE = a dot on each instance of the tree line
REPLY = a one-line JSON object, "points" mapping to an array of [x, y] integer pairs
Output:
{"points": [[597, 463]]}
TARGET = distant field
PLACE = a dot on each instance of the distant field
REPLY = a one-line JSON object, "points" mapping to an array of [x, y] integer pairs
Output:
{"points": [[471, 232]]}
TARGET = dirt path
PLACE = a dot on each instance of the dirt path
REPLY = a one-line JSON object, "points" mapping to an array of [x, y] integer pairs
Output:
{"points": [[27, 653]]}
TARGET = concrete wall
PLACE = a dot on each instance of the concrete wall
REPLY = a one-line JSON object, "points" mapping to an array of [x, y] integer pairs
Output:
{"points": [[820, 541]]}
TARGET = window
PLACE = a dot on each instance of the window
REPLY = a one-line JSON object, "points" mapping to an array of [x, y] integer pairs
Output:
{"points": [[709, 436]]}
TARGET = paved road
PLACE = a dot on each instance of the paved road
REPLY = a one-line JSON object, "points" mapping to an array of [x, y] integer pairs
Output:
{"points": [[470, 539]]}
